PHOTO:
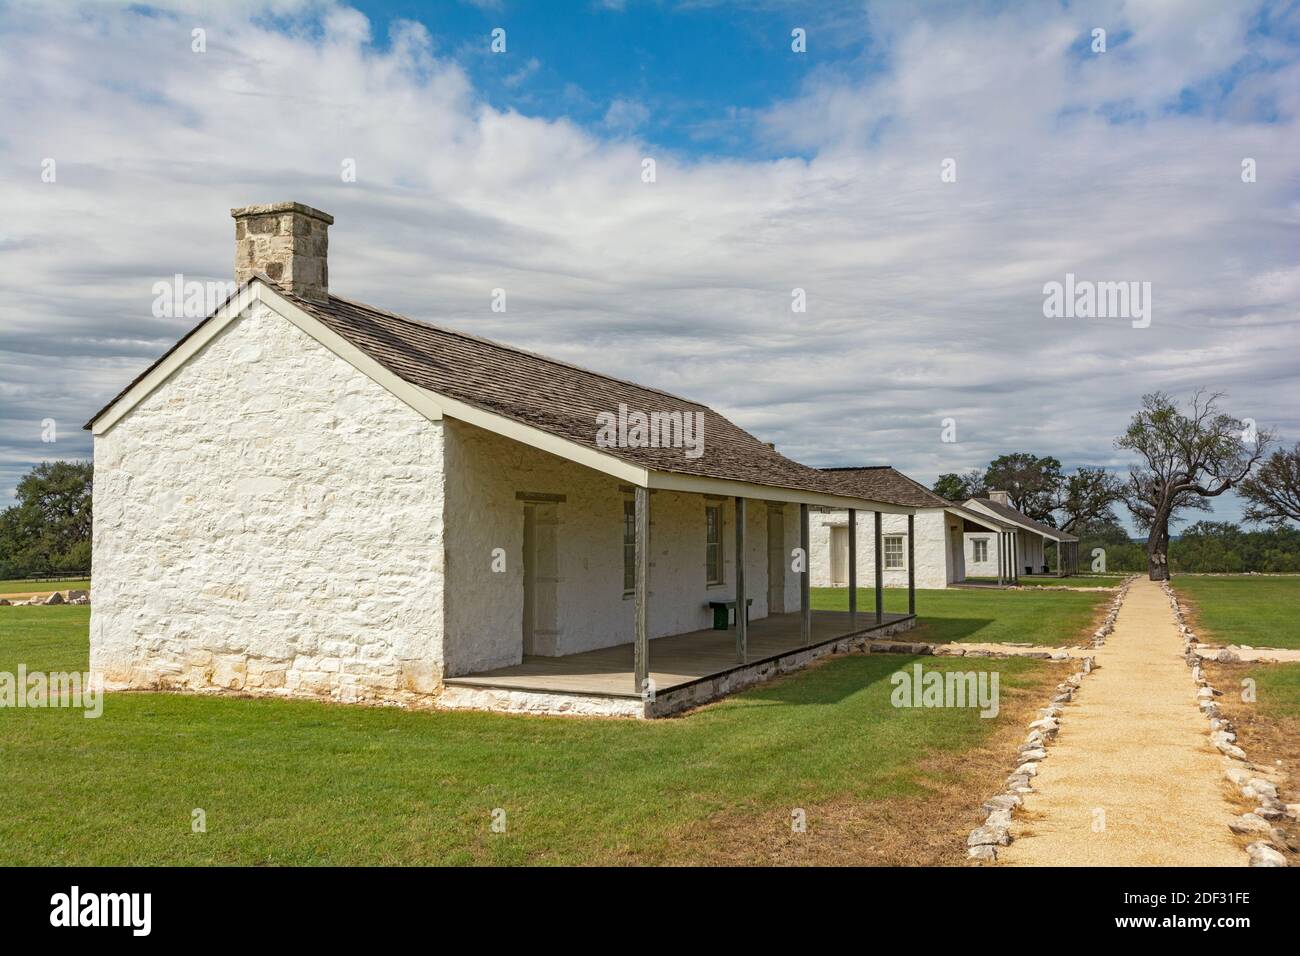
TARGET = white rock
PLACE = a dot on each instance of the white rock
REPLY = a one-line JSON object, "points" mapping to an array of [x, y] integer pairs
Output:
{"points": [[986, 836], [998, 819], [1262, 854], [1249, 823]]}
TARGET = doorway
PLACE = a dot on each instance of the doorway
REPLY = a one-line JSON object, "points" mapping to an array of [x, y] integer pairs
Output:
{"points": [[840, 556], [541, 578], [775, 559]]}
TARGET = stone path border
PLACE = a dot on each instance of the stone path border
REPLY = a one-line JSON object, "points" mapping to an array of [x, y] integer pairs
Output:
{"points": [[1272, 814], [1244, 653], [983, 842]]}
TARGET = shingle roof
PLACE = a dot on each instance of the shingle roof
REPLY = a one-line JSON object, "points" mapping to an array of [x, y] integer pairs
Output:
{"points": [[884, 483], [550, 395], [1015, 517]]}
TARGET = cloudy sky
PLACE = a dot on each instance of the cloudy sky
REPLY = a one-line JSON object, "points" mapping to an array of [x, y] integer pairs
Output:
{"points": [[775, 170]]}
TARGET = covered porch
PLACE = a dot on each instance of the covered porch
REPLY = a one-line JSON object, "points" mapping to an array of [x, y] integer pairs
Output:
{"points": [[658, 674], [681, 659]]}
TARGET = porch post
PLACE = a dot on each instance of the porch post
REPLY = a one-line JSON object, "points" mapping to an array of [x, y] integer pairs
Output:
{"points": [[742, 618], [911, 564], [853, 567], [805, 606], [1002, 551], [880, 574], [641, 645]]}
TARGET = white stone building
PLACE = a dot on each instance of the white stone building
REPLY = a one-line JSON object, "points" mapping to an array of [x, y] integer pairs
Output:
{"points": [[981, 540], [311, 497], [1027, 551]]}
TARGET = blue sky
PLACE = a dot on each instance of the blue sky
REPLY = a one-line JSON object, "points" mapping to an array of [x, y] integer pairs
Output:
{"points": [[776, 171], [693, 73]]}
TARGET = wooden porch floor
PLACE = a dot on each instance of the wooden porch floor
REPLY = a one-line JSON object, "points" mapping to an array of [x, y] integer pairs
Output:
{"points": [[674, 661]]}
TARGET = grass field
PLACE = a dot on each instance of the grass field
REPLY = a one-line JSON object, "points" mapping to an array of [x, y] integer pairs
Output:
{"points": [[1268, 727], [296, 782], [22, 586], [1257, 610], [1050, 618]]}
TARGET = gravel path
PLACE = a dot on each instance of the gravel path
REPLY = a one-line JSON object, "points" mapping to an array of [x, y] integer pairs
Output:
{"points": [[1133, 746]]}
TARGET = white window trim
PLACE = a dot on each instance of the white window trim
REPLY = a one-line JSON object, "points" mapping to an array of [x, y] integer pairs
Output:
{"points": [[902, 554]]}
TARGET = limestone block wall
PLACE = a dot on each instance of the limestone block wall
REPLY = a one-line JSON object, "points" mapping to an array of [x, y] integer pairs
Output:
{"points": [[484, 614], [934, 558], [270, 520]]}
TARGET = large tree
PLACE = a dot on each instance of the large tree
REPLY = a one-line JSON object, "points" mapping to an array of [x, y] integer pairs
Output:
{"points": [[1272, 493], [1184, 459], [48, 531], [961, 487], [1032, 484], [1086, 498]]}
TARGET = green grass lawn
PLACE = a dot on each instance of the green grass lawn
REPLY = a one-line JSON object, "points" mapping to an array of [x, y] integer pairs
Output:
{"points": [[1257, 610], [297, 782], [1053, 618], [1277, 690], [19, 586]]}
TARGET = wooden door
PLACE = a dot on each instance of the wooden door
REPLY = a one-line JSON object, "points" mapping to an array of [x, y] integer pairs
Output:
{"points": [[541, 578]]}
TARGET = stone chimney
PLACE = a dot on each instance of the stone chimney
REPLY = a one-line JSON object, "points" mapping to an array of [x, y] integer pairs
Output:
{"points": [[288, 243], [1001, 497]]}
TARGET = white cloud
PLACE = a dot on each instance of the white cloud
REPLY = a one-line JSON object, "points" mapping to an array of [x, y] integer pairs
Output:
{"points": [[924, 297]]}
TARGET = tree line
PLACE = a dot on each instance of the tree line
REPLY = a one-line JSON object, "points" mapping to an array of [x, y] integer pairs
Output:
{"points": [[1186, 455]]}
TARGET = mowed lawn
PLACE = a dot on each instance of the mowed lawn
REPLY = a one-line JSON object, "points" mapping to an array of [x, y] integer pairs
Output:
{"points": [[24, 586], [977, 615], [1259, 610], [298, 782]]}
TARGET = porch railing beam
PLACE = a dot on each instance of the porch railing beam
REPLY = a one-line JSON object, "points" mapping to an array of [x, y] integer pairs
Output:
{"points": [[911, 564], [880, 572], [853, 568], [742, 617], [805, 597], [641, 646]]}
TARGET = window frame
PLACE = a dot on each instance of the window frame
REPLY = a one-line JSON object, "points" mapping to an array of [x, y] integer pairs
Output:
{"points": [[900, 555], [720, 579], [629, 546], [978, 544]]}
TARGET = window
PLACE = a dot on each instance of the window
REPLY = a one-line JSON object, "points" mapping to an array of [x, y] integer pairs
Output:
{"points": [[981, 549], [713, 543], [894, 560], [629, 547]]}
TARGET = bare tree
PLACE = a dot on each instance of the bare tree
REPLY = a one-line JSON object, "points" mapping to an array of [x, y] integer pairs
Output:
{"points": [[1185, 458], [1273, 492]]}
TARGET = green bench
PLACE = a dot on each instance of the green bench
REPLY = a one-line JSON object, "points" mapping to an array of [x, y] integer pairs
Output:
{"points": [[724, 613]]}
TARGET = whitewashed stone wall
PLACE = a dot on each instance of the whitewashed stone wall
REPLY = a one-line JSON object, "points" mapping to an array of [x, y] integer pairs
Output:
{"points": [[485, 608], [270, 521], [934, 557], [1029, 552], [981, 569]]}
